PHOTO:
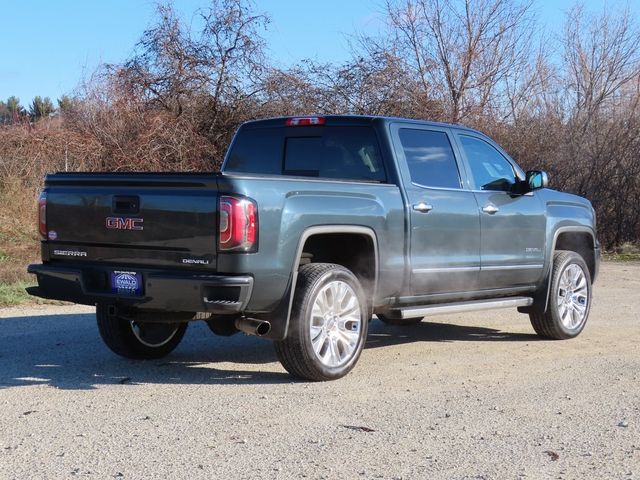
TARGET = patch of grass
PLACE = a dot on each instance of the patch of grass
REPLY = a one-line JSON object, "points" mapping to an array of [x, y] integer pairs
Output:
{"points": [[627, 252], [13, 294], [629, 248], [621, 257]]}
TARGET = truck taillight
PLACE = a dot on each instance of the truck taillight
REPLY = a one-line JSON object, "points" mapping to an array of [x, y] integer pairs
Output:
{"points": [[238, 230], [42, 214]]}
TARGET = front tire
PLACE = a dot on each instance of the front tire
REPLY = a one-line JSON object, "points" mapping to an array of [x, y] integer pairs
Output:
{"points": [[569, 299], [137, 340], [328, 326]]}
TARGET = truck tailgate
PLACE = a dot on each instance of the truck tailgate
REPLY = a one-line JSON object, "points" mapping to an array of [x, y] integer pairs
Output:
{"points": [[143, 218]]}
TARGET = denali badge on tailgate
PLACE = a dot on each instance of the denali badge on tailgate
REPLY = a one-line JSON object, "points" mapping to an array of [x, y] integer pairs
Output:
{"points": [[196, 261], [122, 223]]}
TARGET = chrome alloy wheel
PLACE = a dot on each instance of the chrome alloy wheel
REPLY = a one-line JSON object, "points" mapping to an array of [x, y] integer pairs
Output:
{"points": [[573, 296], [153, 334], [336, 323]]}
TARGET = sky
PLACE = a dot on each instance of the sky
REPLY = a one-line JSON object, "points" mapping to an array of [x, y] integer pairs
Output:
{"points": [[47, 47]]}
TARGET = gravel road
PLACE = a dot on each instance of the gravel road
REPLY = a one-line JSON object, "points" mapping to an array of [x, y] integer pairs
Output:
{"points": [[474, 396]]}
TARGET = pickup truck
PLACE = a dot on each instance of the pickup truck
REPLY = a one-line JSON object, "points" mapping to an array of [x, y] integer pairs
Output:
{"points": [[312, 226]]}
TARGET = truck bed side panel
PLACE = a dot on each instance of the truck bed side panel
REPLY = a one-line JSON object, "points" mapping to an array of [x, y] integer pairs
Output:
{"points": [[289, 206]]}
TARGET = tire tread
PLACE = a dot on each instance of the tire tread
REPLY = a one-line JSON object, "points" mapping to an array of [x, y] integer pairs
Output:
{"points": [[543, 322], [291, 351]]}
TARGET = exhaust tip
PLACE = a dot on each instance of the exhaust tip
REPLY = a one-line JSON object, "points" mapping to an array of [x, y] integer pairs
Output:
{"points": [[251, 326], [263, 329]]}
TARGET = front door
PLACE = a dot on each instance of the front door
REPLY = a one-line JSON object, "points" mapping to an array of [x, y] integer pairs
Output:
{"points": [[512, 226], [443, 216]]}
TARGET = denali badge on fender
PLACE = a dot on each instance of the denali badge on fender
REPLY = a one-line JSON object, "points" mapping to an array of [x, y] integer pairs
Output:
{"points": [[121, 223]]}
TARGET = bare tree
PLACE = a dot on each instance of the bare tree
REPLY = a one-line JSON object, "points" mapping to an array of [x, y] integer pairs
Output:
{"points": [[601, 56], [224, 59], [165, 68], [601, 65], [462, 50]]}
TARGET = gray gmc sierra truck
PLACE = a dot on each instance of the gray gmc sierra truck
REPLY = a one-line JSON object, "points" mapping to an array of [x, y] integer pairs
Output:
{"points": [[313, 225]]}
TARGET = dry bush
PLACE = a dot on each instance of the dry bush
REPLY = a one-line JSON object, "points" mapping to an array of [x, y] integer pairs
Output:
{"points": [[28, 152], [121, 132], [19, 238]]}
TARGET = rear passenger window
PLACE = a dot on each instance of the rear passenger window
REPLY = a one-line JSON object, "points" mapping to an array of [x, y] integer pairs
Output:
{"points": [[430, 158], [350, 153]]}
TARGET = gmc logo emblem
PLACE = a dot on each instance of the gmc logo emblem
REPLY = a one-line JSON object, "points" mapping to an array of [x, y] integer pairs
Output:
{"points": [[121, 223]]}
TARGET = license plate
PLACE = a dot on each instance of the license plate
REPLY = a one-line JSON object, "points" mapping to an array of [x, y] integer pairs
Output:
{"points": [[126, 283]]}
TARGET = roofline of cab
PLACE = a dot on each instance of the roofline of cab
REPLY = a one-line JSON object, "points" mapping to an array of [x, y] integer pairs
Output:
{"points": [[343, 120]]}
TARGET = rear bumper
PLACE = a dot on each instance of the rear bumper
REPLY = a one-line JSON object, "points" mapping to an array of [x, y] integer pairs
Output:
{"points": [[163, 290]]}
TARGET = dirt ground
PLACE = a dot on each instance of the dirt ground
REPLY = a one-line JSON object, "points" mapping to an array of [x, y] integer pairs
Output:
{"points": [[473, 396]]}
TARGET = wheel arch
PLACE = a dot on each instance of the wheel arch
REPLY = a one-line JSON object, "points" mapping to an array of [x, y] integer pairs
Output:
{"points": [[309, 243], [581, 241], [578, 239]]}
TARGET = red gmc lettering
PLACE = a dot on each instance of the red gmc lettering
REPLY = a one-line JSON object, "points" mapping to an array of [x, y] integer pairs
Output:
{"points": [[120, 223]]}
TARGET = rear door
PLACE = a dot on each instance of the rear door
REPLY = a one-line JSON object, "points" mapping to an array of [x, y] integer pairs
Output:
{"points": [[512, 225], [443, 216]]}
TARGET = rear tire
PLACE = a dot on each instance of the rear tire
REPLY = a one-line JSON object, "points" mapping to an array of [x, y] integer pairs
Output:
{"points": [[569, 299], [137, 340], [328, 326], [404, 322]]}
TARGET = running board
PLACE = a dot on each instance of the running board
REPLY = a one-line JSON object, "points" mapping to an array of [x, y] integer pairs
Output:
{"points": [[423, 311]]}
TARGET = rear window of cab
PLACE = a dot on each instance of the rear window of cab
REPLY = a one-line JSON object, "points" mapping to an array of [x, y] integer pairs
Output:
{"points": [[338, 152]]}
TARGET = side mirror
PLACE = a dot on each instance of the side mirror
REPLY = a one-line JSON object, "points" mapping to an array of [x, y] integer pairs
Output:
{"points": [[537, 179]]}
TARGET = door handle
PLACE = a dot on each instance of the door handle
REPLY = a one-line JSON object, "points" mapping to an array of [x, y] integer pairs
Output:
{"points": [[423, 207], [490, 209]]}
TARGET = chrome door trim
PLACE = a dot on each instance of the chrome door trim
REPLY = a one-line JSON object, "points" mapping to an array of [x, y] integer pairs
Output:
{"points": [[512, 267], [479, 268], [446, 269]]}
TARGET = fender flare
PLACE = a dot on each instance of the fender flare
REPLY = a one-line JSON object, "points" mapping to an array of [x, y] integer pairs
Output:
{"points": [[326, 229], [556, 234]]}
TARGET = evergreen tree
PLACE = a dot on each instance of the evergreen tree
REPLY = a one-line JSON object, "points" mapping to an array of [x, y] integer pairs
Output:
{"points": [[5, 114], [41, 107], [13, 104], [65, 103]]}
